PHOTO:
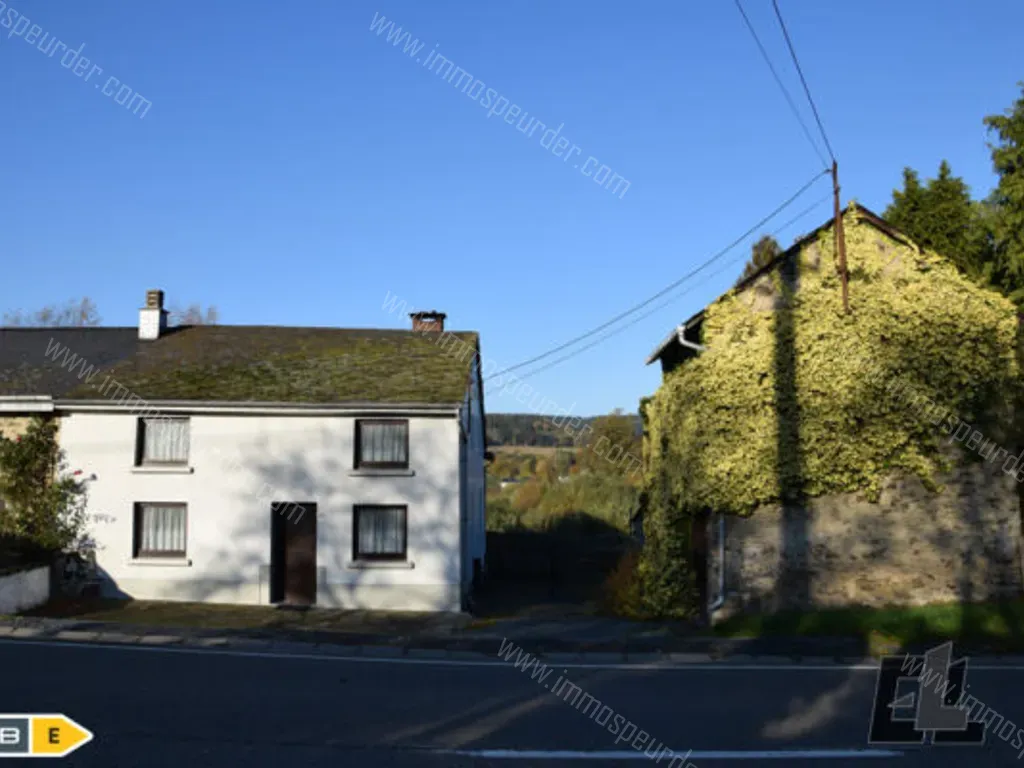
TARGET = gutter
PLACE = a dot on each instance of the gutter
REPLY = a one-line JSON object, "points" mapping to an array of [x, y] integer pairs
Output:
{"points": [[139, 405], [26, 404]]}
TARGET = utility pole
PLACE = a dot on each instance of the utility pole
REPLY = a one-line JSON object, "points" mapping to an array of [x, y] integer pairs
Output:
{"points": [[840, 236]]}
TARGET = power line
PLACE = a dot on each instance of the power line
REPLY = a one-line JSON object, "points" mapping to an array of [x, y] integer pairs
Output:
{"points": [[672, 286], [778, 80], [796, 62], [672, 300]]}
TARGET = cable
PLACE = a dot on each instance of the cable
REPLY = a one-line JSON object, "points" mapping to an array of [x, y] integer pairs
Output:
{"points": [[667, 289], [805, 211], [803, 80], [778, 80], [672, 300]]}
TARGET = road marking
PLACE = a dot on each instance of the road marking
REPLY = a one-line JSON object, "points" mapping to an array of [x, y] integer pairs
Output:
{"points": [[711, 666], [707, 754]]}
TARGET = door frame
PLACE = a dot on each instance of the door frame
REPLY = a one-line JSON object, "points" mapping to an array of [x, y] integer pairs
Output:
{"points": [[281, 525]]}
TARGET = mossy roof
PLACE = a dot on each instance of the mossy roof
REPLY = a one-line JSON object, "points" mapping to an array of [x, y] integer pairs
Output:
{"points": [[45, 361], [276, 364]]}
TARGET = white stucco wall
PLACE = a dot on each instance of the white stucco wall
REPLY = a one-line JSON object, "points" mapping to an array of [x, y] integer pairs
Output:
{"points": [[242, 463], [24, 589]]}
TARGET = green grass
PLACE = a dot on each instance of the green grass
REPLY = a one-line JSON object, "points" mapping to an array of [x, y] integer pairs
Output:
{"points": [[995, 625]]}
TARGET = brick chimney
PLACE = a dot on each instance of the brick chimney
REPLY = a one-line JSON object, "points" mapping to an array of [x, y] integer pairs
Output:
{"points": [[152, 317], [428, 321]]}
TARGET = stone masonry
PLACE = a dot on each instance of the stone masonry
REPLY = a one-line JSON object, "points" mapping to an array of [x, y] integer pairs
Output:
{"points": [[912, 547]]}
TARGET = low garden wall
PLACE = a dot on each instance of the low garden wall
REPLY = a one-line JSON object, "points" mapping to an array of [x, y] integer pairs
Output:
{"points": [[26, 589]]}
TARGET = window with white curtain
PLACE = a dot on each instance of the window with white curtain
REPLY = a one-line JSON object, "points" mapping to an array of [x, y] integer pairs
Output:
{"points": [[160, 529], [380, 532], [163, 441], [382, 443]]}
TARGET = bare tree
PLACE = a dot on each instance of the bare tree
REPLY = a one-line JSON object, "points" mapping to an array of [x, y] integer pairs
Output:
{"points": [[193, 314], [74, 313]]}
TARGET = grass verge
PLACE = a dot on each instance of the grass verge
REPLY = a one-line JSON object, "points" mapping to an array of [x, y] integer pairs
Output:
{"points": [[995, 626]]}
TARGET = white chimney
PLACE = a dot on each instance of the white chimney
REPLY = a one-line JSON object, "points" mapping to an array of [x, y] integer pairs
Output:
{"points": [[152, 317]]}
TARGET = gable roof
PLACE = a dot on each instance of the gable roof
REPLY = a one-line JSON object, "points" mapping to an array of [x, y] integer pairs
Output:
{"points": [[865, 215], [274, 364], [30, 358]]}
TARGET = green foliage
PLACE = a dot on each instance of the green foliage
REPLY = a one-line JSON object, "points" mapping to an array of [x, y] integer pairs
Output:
{"points": [[608, 443], [549, 495], [985, 239], [501, 516], [44, 505], [530, 429], [761, 253], [622, 592], [1007, 200], [790, 398], [942, 217]]}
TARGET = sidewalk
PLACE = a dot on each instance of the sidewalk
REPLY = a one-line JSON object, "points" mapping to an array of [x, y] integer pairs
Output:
{"points": [[586, 641]]}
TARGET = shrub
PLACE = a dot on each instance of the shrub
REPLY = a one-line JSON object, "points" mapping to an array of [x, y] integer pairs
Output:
{"points": [[621, 593], [501, 516], [44, 504]]}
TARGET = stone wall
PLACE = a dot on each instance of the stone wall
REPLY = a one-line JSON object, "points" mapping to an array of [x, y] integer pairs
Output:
{"points": [[912, 547]]}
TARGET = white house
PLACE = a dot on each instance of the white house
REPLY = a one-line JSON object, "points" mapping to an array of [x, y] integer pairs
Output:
{"points": [[261, 465]]}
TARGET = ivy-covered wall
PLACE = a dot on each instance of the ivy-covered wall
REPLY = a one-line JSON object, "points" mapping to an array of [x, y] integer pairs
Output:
{"points": [[793, 402]]}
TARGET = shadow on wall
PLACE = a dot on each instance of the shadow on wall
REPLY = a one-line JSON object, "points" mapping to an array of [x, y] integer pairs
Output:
{"points": [[914, 545], [237, 570]]}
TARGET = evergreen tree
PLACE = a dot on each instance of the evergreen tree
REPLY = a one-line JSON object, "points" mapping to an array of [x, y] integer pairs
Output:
{"points": [[1006, 205], [941, 216]]}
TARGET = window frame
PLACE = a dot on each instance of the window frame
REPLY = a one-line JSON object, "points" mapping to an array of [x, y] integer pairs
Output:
{"points": [[377, 557], [140, 444], [357, 460], [140, 554]]}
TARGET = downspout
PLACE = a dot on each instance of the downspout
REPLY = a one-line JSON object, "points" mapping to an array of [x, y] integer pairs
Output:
{"points": [[680, 331], [720, 600]]}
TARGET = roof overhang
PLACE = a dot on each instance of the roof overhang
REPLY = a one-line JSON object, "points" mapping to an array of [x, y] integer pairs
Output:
{"points": [[863, 213], [26, 404], [260, 409], [674, 336]]}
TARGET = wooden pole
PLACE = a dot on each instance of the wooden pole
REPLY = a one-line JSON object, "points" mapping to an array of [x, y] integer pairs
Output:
{"points": [[840, 236]]}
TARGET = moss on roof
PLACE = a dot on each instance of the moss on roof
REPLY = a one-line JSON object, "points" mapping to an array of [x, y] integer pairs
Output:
{"points": [[301, 365]]}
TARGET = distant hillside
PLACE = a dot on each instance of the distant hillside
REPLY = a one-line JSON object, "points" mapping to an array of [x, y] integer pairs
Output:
{"points": [[532, 429]]}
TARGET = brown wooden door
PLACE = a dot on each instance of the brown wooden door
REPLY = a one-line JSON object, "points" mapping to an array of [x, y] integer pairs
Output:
{"points": [[293, 553]]}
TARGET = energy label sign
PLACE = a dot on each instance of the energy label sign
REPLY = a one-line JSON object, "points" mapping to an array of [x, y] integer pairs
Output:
{"points": [[40, 736]]}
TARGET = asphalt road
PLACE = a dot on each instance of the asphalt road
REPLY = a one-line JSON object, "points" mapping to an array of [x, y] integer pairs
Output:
{"points": [[203, 708]]}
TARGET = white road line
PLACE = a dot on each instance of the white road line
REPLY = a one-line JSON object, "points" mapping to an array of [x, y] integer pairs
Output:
{"points": [[707, 754], [711, 666]]}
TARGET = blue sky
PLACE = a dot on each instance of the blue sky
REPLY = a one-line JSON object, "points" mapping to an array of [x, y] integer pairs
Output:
{"points": [[295, 168]]}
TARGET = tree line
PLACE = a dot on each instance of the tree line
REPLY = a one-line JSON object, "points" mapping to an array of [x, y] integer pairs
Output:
{"points": [[533, 430]]}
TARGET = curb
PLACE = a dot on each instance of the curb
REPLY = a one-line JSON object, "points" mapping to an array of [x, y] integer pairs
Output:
{"points": [[814, 652]]}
